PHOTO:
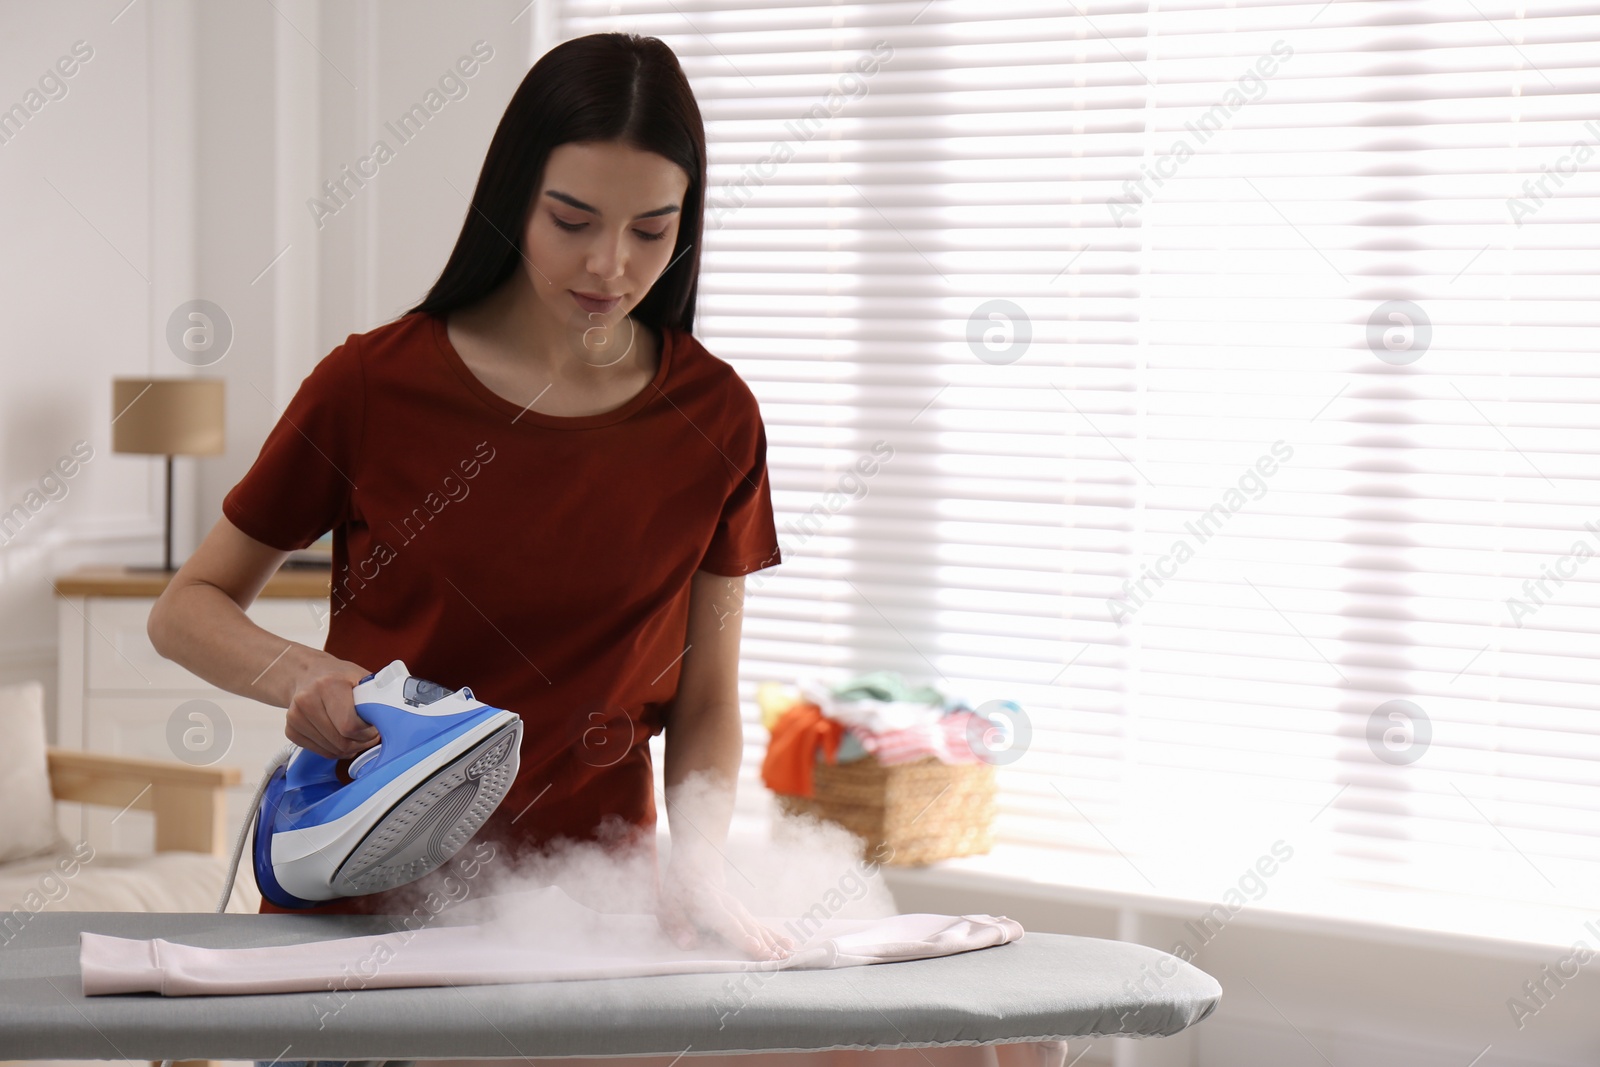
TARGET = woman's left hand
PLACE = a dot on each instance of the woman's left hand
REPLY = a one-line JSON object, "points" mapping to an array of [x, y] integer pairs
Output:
{"points": [[694, 898]]}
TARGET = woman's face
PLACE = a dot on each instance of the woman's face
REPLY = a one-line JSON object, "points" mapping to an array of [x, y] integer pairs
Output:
{"points": [[603, 224]]}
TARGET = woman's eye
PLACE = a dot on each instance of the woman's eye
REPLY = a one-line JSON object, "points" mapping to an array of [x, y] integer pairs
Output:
{"points": [[573, 227]]}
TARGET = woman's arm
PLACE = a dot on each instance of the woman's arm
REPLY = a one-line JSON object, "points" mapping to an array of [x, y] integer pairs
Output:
{"points": [[199, 622], [704, 744], [704, 736]]}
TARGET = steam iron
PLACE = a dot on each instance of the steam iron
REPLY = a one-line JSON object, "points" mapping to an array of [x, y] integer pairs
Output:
{"points": [[443, 762]]}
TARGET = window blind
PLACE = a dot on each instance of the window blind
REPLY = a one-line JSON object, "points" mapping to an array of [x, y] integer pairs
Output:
{"points": [[1225, 373]]}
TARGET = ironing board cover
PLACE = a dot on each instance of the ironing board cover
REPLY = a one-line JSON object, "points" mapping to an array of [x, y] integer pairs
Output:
{"points": [[1045, 986]]}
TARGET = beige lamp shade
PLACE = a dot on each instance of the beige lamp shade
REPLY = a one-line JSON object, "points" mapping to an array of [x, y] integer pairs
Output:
{"points": [[167, 416]]}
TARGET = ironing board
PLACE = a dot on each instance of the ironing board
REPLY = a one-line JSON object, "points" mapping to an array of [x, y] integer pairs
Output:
{"points": [[1045, 986]]}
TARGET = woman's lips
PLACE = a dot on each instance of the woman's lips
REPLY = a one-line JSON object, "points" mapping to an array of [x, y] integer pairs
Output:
{"points": [[593, 305]]}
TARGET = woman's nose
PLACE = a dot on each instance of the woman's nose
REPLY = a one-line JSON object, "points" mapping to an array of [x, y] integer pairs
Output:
{"points": [[606, 258]]}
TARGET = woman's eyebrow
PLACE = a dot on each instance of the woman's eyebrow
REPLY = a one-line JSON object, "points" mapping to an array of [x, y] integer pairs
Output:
{"points": [[581, 206]]}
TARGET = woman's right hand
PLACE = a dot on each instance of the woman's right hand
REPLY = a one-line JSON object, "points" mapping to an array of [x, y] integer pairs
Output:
{"points": [[322, 710]]}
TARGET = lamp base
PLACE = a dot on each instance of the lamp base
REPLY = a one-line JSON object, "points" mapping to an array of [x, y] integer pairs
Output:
{"points": [[164, 567]]}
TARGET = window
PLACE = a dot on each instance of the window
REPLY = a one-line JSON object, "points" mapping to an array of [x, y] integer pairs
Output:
{"points": [[1235, 367]]}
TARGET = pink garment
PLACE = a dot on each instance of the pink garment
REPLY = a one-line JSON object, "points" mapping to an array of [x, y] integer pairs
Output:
{"points": [[556, 939], [945, 738], [1017, 1054]]}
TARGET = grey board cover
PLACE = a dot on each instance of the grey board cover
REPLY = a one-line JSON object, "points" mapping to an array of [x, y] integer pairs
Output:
{"points": [[1042, 986]]}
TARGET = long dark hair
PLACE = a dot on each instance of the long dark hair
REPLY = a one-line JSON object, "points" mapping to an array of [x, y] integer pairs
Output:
{"points": [[603, 87]]}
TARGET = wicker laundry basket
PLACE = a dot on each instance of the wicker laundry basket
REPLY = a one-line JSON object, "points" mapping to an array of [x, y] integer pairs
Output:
{"points": [[923, 811]]}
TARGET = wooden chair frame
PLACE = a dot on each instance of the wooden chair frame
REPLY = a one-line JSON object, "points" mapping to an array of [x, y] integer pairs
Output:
{"points": [[190, 804]]}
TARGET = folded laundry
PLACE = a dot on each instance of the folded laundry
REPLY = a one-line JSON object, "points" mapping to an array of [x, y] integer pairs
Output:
{"points": [[850, 748], [877, 714], [548, 936], [869, 714], [948, 740], [887, 686]]}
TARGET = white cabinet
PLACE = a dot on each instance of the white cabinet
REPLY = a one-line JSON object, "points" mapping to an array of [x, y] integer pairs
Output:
{"points": [[117, 695]]}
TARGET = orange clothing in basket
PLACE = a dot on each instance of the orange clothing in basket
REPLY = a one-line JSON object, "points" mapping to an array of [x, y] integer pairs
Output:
{"points": [[792, 752]]}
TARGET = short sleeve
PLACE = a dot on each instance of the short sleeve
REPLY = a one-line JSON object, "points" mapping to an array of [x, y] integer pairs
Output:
{"points": [[299, 486], [746, 537]]}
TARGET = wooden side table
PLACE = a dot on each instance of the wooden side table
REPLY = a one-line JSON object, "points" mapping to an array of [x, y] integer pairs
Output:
{"points": [[117, 695]]}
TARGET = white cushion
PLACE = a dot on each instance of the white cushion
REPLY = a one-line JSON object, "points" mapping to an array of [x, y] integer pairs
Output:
{"points": [[79, 878], [28, 826]]}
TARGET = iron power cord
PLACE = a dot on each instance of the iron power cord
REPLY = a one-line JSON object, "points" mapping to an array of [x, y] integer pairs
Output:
{"points": [[278, 760]]}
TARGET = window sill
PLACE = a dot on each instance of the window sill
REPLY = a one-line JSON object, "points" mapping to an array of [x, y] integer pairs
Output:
{"points": [[1392, 916]]}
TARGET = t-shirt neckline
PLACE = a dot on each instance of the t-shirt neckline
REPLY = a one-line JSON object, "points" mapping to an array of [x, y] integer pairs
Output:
{"points": [[531, 417]]}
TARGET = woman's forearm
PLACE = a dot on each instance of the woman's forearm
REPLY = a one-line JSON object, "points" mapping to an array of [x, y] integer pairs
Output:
{"points": [[200, 627], [704, 746]]}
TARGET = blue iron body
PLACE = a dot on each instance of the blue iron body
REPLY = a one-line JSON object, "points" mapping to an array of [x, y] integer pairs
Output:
{"points": [[444, 761]]}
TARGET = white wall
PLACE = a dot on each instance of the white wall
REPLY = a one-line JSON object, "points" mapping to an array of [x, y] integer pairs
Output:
{"points": [[177, 166], [86, 260]]}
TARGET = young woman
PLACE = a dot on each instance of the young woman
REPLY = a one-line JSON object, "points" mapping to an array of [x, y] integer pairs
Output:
{"points": [[539, 485]]}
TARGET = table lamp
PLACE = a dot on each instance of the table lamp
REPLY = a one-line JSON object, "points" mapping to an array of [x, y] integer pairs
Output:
{"points": [[167, 417]]}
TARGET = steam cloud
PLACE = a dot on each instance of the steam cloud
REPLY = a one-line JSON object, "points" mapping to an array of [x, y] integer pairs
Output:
{"points": [[806, 872]]}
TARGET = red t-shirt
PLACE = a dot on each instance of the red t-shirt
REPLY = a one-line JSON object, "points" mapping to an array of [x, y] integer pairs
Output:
{"points": [[542, 560]]}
